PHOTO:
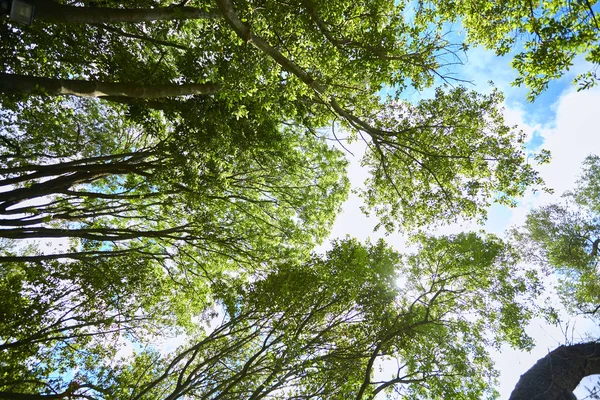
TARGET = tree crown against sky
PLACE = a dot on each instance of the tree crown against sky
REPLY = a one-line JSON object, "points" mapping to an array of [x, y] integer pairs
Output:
{"points": [[318, 328], [184, 151], [564, 237], [544, 37], [301, 65]]}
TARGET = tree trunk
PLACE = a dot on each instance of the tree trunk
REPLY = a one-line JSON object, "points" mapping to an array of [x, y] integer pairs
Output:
{"points": [[99, 234], [31, 84], [555, 376], [27, 396], [50, 11]]}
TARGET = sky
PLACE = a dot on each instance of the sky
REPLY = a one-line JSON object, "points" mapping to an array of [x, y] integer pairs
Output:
{"points": [[561, 120]]}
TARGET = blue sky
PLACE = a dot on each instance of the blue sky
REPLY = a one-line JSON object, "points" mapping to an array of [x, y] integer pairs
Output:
{"points": [[561, 120]]}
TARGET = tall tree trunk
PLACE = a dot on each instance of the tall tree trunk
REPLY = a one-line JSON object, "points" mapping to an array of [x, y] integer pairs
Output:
{"points": [[30, 84], [555, 376], [50, 11], [27, 396], [101, 234]]}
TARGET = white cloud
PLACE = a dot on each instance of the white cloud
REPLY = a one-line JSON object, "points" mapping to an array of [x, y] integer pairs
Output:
{"points": [[572, 135], [576, 135]]}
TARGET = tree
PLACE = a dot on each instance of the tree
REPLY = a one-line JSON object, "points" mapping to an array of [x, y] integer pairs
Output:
{"points": [[216, 197], [319, 329], [116, 188], [53, 11], [446, 161], [58, 317], [564, 238], [153, 230], [28, 84], [546, 35]]}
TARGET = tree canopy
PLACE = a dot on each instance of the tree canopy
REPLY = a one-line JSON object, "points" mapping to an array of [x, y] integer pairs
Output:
{"points": [[317, 329], [167, 169], [563, 238], [544, 36], [255, 65]]}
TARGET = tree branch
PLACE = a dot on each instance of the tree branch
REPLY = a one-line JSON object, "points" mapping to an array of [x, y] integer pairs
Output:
{"points": [[555, 376], [51, 11], [34, 84]]}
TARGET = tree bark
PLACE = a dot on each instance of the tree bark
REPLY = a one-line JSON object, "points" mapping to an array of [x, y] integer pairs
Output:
{"points": [[555, 376], [28, 396], [50, 11], [31, 84], [98, 234], [66, 179]]}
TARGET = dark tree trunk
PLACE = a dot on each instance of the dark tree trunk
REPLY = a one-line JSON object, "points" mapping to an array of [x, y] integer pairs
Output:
{"points": [[50, 11], [555, 376], [30, 84], [27, 396]]}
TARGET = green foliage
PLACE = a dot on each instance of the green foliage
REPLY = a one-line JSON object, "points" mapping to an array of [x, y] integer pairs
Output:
{"points": [[197, 214], [226, 194], [307, 68], [57, 317], [564, 237], [320, 329], [453, 157], [546, 35], [157, 215]]}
